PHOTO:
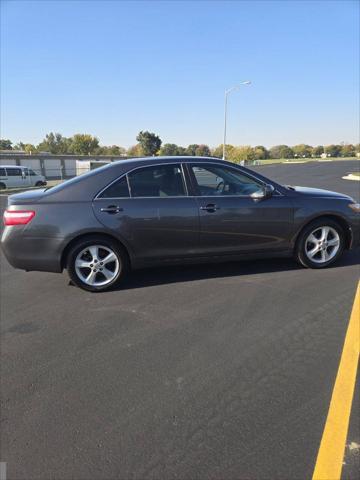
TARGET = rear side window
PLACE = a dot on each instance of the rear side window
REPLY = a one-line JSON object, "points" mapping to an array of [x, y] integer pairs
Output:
{"points": [[2, 172], [14, 172], [118, 189], [157, 181]]}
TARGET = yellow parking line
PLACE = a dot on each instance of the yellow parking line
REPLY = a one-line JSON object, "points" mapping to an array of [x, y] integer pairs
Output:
{"points": [[331, 452]]}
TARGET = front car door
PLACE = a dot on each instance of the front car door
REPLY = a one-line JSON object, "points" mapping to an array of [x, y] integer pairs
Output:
{"points": [[232, 220], [150, 208], [26, 177], [3, 177]]}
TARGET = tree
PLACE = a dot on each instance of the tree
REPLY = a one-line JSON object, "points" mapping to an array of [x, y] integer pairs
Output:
{"points": [[5, 144], [182, 151], [55, 143], [281, 151], [29, 148], [135, 151], [150, 143], [302, 150], [218, 151], [19, 146], [114, 150], [333, 150], [239, 154], [83, 144], [203, 151], [348, 150], [260, 153], [318, 151], [170, 149], [191, 149]]}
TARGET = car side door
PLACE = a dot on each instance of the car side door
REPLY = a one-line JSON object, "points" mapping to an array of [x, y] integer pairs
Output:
{"points": [[233, 216], [26, 177], [150, 208], [3, 177], [15, 177]]}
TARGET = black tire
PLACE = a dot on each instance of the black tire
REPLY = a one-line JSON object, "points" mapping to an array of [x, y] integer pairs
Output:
{"points": [[2, 186], [301, 244], [39, 184], [108, 244]]}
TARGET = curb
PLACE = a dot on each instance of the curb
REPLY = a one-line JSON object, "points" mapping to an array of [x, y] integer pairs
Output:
{"points": [[351, 177]]}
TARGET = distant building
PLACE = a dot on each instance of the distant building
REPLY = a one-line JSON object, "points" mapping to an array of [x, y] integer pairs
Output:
{"points": [[56, 166]]}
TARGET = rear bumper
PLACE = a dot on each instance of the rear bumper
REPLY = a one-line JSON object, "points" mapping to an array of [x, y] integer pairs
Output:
{"points": [[30, 252]]}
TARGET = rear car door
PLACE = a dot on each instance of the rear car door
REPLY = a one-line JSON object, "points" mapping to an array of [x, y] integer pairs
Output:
{"points": [[231, 219], [150, 209]]}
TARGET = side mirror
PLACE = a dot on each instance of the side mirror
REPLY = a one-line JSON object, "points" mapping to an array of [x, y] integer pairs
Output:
{"points": [[265, 192]]}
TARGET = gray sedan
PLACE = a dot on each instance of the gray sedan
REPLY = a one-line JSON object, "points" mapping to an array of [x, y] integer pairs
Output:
{"points": [[157, 211]]}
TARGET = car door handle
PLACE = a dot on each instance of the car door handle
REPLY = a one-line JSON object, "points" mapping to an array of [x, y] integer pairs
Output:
{"points": [[112, 209], [211, 207]]}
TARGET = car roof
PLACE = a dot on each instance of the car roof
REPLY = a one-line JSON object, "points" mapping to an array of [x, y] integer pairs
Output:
{"points": [[168, 159], [183, 158], [14, 166]]}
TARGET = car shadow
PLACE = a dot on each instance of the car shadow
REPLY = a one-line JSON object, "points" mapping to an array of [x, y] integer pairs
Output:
{"points": [[187, 273]]}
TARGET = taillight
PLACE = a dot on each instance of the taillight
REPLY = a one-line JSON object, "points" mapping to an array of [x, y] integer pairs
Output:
{"points": [[18, 217]]}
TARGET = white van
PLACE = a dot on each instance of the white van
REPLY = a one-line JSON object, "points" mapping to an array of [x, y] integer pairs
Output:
{"points": [[14, 176]]}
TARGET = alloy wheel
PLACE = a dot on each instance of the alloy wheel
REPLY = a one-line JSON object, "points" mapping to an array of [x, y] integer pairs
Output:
{"points": [[322, 244], [97, 265]]}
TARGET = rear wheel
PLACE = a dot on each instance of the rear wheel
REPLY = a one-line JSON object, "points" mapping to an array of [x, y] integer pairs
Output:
{"points": [[320, 244], [96, 264], [39, 184]]}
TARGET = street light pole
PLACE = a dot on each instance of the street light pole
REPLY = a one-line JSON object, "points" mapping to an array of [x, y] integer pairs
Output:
{"points": [[247, 82]]}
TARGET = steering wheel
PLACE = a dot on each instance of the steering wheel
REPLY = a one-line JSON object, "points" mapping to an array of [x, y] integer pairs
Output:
{"points": [[220, 186]]}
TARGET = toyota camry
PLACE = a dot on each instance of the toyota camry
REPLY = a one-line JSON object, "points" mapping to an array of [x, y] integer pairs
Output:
{"points": [[157, 211]]}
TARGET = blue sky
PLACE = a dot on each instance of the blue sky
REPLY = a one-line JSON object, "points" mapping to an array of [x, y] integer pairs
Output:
{"points": [[112, 68]]}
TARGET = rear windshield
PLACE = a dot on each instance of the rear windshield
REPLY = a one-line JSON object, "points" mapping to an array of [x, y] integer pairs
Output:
{"points": [[77, 179]]}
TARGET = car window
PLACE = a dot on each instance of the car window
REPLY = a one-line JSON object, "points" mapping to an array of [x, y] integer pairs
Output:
{"points": [[157, 181], [14, 172], [213, 180], [32, 173], [118, 189], [2, 172]]}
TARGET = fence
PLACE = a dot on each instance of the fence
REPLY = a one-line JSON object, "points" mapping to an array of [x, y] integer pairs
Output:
{"points": [[56, 167]]}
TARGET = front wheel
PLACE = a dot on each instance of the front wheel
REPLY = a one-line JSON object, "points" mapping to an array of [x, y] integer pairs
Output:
{"points": [[96, 264], [320, 244]]}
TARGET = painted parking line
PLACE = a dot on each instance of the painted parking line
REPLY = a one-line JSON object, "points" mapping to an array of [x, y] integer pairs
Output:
{"points": [[331, 452]]}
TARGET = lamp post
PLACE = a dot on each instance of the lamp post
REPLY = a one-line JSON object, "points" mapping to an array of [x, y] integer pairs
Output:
{"points": [[235, 87]]}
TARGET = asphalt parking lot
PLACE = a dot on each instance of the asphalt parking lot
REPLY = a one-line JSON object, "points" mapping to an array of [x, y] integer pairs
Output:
{"points": [[197, 372]]}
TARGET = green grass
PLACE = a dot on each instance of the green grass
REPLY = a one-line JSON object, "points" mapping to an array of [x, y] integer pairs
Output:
{"points": [[305, 160]]}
